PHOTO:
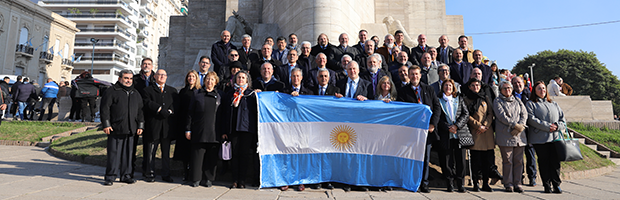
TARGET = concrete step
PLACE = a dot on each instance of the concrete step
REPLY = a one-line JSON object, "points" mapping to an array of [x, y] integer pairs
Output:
{"points": [[582, 140], [606, 154], [615, 160], [592, 146]]}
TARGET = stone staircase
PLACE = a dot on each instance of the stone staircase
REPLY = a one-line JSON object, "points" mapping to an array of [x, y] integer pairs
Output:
{"points": [[602, 150]]}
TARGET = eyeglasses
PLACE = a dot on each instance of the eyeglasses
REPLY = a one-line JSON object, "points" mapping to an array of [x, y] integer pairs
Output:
{"points": [[234, 55], [443, 70]]}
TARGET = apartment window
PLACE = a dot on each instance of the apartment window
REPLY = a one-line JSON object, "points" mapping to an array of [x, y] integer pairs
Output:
{"points": [[56, 45], [23, 35], [66, 51]]}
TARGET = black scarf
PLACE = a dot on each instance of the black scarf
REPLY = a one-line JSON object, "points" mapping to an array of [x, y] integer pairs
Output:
{"points": [[125, 88], [478, 98]]}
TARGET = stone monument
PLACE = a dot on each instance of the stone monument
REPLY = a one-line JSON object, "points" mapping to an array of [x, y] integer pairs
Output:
{"points": [[191, 36]]}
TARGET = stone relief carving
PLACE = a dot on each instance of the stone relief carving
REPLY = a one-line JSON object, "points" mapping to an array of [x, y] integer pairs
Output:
{"points": [[237, 27], [393, 25]]}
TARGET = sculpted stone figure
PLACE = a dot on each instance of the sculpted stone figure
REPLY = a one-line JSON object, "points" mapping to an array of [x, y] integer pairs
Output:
{"points": [[393, 25]]}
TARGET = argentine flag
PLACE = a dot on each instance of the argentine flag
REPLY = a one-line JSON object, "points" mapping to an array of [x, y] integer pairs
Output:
{"points": [[314, 139]]}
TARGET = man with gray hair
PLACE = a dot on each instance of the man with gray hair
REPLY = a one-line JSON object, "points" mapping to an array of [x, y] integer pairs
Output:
{"points": [[266, 50], [386, 49], [121, 104], [219, 51], [296, 88], [247, 54], [339, 51], [321, 62], [374, 72], [305, 57], [429, 71], [354, 87], [362, 59], [443, 72], [341, 73], [323, 87]]}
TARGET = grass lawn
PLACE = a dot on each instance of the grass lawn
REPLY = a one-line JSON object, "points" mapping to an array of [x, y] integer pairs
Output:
{"points": [[609, 138], [33, 131]]}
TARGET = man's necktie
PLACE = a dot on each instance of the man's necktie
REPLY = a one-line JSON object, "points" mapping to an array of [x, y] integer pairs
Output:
{"points": [[417, 94], [322, 91], [161, 89], [351, 89]]}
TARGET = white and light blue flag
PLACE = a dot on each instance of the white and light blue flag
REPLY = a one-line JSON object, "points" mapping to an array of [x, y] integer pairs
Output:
{"points": [[314, 139]]}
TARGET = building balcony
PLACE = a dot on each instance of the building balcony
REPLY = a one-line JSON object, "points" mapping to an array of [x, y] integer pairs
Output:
{"points": [[146, 10], [107, 32], [99, 4], [105, 61], [112, 46], [144, 52], [143, 33], [143, 21], [105, 17], [46, 57], [24, 50], [67, 62]]}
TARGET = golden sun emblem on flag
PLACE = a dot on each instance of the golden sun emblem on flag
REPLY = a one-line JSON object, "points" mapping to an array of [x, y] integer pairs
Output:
{"points": [[343, 137]]}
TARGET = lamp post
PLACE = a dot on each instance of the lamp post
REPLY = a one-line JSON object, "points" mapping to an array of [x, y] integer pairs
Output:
{"points": [[94, 41], [532, 71]]}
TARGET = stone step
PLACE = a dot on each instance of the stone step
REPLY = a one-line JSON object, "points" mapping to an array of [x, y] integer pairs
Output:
{"points": [[615, 160], [606, 154], [592, 146], [582, 140]]}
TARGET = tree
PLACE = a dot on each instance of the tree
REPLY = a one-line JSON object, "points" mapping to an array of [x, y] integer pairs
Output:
{"points": [[580, 69]]}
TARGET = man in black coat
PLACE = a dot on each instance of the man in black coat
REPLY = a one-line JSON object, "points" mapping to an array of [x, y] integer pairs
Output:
{"points": [[145, 77], [158, 99], [267, 82], [296, 88], [15, 106], [416, 52], [121, 118], [305, 59], [23, 95], [284, 71], [322, 46], [323, 87], [362, 58], [333, 62], [247, 54], [362, 36], [523, 93], [486, 70], [219, 51], [354, 86], [321, 62], [265, 57], [374, 73], [444, 51], [415, 92], [459, 69], [399, 36]]}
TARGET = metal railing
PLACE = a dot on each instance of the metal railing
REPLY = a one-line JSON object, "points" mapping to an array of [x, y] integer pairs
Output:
{"points": [[24, 49], [124, 32], [107, 58], [100, 2], [46, 56], [67, 61], [103, 44]]}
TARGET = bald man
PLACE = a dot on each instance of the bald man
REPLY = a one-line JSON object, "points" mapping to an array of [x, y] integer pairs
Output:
{"points": [[416, 52], [219, 51]]}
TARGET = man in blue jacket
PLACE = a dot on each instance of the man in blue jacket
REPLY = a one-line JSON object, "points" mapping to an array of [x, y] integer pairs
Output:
{"points": [[49, 93]]}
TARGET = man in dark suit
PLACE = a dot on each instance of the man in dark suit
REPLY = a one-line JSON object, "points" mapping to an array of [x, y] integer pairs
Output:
{"points": [[354, 86], [401, 76], [444, 74], [281, 51], [333, 62], [468, 54], [247, 55], [363, 36], [523, 93], [321, 62], [459, 70], [158, 100], [399, 36], [322, 46], [265, 57], [284, 71], [324, 88], [486, 70], [305, 58], [219, 51], [416, 52], [387, 49], [267, 82], [145, 77], [444, 51], [296, 88], [415, 92], [362, 59], [401, 59], [374, 72]]}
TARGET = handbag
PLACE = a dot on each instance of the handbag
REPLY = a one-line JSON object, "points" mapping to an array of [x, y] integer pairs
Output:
{"points": [[225, 151], [466, 140], [567, 147]]}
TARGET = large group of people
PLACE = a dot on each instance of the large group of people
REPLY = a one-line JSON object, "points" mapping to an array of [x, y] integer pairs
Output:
{"points": [[474, 108]]}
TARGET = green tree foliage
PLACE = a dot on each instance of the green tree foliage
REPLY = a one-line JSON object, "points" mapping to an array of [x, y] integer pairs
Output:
{"points": [[580, 69]]}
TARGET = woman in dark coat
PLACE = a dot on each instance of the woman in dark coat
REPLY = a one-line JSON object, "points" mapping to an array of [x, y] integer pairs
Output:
{"points": [[202, 131], [452, 125], [240, 125], [182, 149]]}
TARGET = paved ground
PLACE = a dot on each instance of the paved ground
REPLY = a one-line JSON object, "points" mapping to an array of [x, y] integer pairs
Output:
{"points": [[31, 173]]}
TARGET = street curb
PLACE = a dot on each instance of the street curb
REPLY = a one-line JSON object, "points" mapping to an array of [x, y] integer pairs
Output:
{"points": [[587, 173]]}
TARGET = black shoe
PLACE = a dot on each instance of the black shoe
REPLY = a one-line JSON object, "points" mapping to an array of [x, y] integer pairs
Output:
{"points": [[329, 186], [424, 188], [476, 187], [108, 183], [557, 190], [167, 179], [149, 179], [532, 182], [194, 184], [316, 186], [388, 188], [487, 188], [449, 187], [518, 189], [347, 188], [547, 189], [508, 189], [129, 181], [462, 189], [364, 188]]}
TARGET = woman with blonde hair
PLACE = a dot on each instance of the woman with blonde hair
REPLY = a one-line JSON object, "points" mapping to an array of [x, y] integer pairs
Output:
{"points": [[182, 148], [386, 90]]}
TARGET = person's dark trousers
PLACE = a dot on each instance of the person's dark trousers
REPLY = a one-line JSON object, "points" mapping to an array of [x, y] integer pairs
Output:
{"points": [[548, 164], [427, 160], [530, 165], [76, 108], [242, 155], [150, 149], [119, 157], [203, 165], [481, 162], [47, 103], [1, 117], [88, 108], [30, 109], [450, 157], [136, 138]]}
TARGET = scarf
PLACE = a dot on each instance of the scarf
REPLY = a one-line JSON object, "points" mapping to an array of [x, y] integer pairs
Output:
{"points": [[449, 106], [238, 94], [478, 98]]}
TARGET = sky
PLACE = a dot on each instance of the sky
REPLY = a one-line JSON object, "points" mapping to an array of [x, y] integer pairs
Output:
{"points": [[483, 16]]}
